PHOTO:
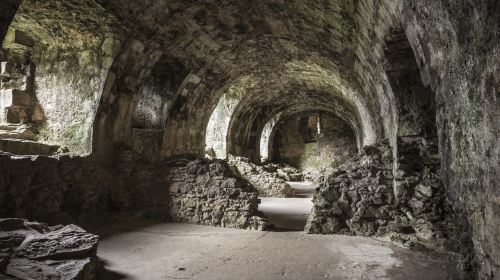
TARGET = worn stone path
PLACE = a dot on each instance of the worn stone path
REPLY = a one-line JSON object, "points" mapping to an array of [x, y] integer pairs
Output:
{"points": [[148, 249], [290, 213]]}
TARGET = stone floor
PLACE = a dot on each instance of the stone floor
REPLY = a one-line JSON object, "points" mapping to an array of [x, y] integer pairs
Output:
{"points": [[154, 250], [149, 249], [290, 213]]}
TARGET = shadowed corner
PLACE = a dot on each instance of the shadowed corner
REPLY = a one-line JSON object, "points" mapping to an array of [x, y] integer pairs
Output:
{"points": [[105, 273]]}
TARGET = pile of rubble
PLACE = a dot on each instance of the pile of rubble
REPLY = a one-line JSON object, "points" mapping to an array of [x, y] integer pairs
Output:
{"points": [[364, 197], [285, 172], [268, 184]]}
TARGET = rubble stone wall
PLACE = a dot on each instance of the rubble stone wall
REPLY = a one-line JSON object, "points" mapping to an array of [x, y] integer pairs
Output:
{"points": [[360, 197], [63, 190]]}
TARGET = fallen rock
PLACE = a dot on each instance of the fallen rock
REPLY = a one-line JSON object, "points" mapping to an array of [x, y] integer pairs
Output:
{"points": [[267, 184], [30, 250]]}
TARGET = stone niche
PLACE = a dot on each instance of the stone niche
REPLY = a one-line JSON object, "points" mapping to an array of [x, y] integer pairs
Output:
{"points": [[313, 140], [155, 105], [415, 102], [159, 94]]}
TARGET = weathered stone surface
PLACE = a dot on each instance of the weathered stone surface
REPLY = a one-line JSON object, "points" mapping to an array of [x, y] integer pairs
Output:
{"points": [[266, 183], [207, 192], [30, 250], [287, 56], [335, 141], [363, 197], [285, 172], [66, 243]]}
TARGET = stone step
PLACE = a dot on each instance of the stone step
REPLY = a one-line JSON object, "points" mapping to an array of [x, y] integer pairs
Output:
{"points": [[26, 147], [17, 131]]}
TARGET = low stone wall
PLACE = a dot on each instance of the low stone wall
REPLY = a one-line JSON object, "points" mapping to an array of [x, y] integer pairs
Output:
{"points": [[360, 197], [208, 193], [30, 250], [65, 190], [267, 184]]}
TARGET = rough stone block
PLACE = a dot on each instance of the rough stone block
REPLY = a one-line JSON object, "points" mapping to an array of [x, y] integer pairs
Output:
{"points": [[48, 253]]}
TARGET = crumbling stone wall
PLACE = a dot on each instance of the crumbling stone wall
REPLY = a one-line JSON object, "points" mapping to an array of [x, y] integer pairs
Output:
{"points": [[359, 197], [63, 190], [208, 193]]}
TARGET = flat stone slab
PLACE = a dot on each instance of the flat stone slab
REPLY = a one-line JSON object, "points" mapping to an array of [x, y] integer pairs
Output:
{"points": [[69, 242], [31, 250]]}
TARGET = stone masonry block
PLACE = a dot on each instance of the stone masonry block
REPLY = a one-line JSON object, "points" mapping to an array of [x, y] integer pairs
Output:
{"points": [[13, 97]]}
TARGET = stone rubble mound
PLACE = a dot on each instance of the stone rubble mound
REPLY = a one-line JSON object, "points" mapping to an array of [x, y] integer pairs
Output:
{"points": [[267, 184], [285, 172], [317, 175], [364, 197], [31, 250]]}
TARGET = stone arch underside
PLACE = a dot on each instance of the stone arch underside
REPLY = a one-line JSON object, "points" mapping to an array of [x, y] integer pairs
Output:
{"points": [[298, 85]]}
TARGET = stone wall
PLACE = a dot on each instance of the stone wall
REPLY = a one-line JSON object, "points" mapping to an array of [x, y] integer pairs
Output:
{"points": [[358, 197], [336, 142], [460, 61], [208, 193], [63, 190]]}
